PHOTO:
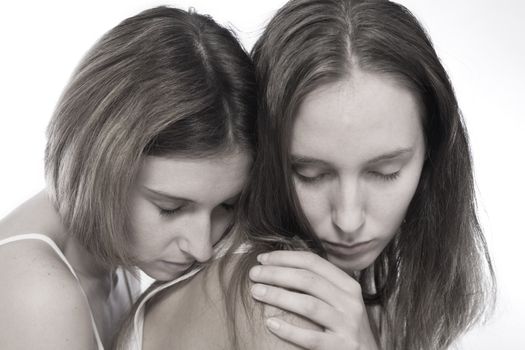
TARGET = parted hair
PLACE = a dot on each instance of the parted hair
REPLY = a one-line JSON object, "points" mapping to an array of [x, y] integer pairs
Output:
{"points": [[435, 278], [160, 83]]}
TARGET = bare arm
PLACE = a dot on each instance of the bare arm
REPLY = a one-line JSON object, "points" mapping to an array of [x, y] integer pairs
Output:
{"points": [[41, 305]]}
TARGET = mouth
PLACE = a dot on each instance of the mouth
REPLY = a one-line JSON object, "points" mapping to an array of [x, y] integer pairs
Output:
{"points": [[179, 265], [347, 250]]}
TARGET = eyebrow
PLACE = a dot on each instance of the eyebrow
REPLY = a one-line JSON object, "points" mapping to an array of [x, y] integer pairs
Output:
{"points": [[309, 161], [392, 155], [165, 195], [170, 197]]}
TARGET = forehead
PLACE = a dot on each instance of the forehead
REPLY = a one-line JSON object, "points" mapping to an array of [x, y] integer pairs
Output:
{"points": [[357, 119], [203, 180]]}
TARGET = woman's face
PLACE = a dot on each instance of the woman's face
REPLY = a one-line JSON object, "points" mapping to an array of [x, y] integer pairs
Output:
{"points": [[180, 207], [357, 153]]}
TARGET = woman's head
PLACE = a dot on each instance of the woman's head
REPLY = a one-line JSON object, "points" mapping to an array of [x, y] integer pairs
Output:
{"points": [[361, 139], [163, 88], [180, 207], [370, 57], [357, 149]]}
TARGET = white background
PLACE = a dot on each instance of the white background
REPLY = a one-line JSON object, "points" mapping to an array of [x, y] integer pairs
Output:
{"points": [[480, 43]]}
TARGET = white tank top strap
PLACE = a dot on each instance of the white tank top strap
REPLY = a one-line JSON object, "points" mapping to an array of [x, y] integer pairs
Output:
{"points": [[52, 244], [134, 338], [135, 341]]}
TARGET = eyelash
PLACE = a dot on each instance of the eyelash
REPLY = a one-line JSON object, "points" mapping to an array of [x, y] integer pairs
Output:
{"points": [[386, 177], [311, 180], [168, 212], [318, 178]]}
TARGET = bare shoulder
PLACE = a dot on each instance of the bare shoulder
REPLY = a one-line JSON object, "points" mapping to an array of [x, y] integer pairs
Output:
{"points": [[41, 303], [188, 315], [193, 315]]}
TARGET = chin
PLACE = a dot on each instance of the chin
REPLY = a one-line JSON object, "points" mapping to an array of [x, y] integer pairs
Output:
{"points": [[160, 274], [352, 265]]}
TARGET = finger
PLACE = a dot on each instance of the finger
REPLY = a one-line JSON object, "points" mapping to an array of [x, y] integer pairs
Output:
{"points": [[312, 262], [305, 338], [304, 305], [301, 280]]}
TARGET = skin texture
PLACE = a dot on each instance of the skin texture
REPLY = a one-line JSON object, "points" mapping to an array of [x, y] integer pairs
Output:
{"points": [[181, 207], [204, 325], [358, 150], [348, 192], [44, 308]]}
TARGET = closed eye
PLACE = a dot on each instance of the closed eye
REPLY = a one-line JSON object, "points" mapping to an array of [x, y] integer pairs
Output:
{"points": [[311, 179], [168, 212], [311, 170], [385, 177]]}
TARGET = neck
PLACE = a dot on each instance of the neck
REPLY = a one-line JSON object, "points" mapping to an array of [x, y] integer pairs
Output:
{"points": [[39, 215], [85, 263]]}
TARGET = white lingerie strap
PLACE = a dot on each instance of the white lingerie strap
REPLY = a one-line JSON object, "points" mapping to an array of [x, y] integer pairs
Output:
{"points": [[136, 336], [49, 241], [135, 342]]}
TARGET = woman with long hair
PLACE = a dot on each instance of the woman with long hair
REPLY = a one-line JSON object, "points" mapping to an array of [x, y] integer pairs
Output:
{"points": [[359, 226], [147, 152]]}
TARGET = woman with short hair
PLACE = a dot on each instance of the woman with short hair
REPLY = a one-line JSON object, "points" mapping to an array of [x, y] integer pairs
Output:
{"points": [[148, 150]]}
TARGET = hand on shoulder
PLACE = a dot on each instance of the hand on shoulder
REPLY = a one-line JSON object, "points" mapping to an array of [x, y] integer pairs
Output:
{"points": [[312, 287], [206, 324], [254, 320]]}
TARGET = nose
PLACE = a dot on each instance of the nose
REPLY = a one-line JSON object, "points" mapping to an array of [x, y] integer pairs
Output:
{"points": [[348, 209], [196, 241]]}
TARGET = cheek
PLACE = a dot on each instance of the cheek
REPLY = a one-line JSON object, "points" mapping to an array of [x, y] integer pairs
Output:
{"points": [[314, 203], [147, 230], [388, 207], [220, 222], [140, 218]]}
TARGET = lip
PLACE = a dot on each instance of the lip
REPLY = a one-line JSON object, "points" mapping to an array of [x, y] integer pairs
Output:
{"points": [[183, 265], [347, 250]]}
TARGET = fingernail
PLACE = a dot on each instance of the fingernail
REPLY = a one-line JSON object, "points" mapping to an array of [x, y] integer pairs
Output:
{"points": [[262, 257], [273, 324], [258, 290], [255, 271]]}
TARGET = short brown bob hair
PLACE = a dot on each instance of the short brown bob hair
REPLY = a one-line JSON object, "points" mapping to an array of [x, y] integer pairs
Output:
{"points": [[163, 82]]}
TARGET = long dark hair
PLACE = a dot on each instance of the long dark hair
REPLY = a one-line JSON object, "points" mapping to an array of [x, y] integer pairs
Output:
{"points": [[435, 279], [160, 83]]}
